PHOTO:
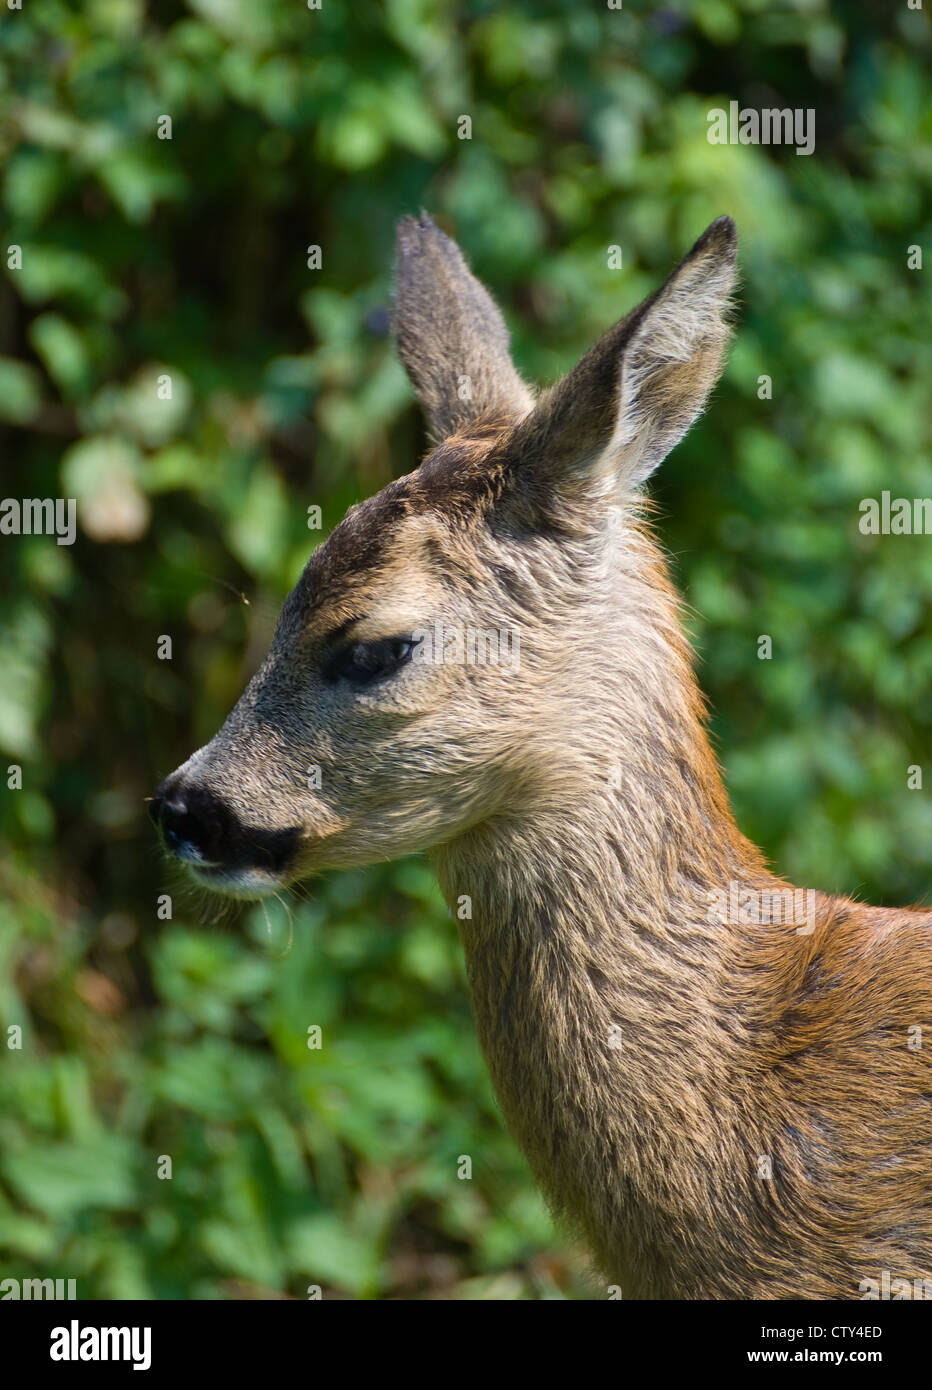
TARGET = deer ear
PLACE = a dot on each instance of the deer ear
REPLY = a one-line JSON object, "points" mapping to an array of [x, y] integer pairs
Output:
{"points": [[451, 335], [633, 396]]}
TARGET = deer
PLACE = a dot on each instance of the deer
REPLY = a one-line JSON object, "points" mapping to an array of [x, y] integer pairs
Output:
{"points": [[718, 1104]]}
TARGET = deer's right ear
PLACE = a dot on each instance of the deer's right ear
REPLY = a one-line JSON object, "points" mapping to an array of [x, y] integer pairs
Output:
{"points": [[606, 426], [451, 335]]}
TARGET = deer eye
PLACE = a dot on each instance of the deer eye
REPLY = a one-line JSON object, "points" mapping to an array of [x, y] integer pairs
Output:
{"points": [[362, 662]]}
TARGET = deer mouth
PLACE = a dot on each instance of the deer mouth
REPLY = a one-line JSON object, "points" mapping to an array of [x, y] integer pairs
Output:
{"points": [[248, 883]]}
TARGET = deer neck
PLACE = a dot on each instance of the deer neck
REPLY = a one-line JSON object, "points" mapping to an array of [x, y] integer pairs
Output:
{"points": [[599, 982]]}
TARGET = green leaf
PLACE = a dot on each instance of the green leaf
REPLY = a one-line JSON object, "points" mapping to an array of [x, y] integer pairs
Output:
{"points": [[20, 391], [61, 1180]]}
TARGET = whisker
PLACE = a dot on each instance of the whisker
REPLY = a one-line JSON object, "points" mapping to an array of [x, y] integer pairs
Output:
{"points": [[280, 955]]}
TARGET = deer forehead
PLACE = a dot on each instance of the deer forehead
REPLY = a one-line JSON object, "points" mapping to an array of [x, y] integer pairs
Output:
{"points": [[416, 569]]}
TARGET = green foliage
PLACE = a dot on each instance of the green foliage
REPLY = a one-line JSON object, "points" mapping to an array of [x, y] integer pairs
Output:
{"points": [[188, 258]]}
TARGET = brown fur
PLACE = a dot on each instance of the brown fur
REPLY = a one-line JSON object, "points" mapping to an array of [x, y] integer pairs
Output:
{"points": [[656, 1061]]}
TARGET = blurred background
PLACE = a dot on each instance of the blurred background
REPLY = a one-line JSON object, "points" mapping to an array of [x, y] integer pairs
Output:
{"points": [[292, 128]]}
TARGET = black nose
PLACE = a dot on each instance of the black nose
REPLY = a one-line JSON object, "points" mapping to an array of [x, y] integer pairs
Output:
{"points": [[196, 824], [201, 828]]}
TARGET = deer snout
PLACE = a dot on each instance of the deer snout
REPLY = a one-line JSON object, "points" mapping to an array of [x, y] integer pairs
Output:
{"points": [[197, 826], [204, 831]]}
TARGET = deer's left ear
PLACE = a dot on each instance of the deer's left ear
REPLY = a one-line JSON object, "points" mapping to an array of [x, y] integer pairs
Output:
{"points": [[633, 396]]}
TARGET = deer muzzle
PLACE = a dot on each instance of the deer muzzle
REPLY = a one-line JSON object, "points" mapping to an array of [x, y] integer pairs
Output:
{"points": [[204, 833]]}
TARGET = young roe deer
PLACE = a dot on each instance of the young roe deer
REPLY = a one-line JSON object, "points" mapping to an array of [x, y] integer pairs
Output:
{"points": [[725, 1105]]}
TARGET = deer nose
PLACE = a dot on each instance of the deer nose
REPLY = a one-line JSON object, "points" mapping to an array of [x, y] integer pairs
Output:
{"points": [[200, 828], [196, 824]]}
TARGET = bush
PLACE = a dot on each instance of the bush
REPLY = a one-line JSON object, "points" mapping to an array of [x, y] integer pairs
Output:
{"points": [[145, 258]]}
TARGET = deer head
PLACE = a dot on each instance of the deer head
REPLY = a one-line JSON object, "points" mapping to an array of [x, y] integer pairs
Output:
{"points": [[373, 728]]}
